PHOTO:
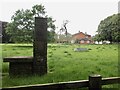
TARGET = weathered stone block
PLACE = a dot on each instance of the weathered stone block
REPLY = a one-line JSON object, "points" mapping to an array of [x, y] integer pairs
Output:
{"points": [[40, 46], [38, 63], [80, 49], [20, 65]]}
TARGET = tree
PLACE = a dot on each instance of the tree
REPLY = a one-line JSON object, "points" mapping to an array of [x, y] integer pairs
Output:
{"points": [[64, 28], [97, 38], [21, 27], [51, 29], [38, 10], [5, 37], [109, 28], [22, 24]]}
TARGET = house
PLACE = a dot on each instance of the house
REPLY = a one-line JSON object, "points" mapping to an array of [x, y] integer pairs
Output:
{"points": [[82, 38]]}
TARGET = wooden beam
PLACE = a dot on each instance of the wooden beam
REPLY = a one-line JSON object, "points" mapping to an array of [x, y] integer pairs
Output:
{"points": [[111, 80]]}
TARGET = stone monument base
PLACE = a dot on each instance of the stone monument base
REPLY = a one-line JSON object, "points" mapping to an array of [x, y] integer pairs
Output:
{"points": [[37, 64], [21, 65]]}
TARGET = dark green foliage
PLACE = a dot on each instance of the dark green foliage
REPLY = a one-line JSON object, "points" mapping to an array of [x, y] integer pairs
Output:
{"points": [[5, 36], [21, 28], [109, 29]]}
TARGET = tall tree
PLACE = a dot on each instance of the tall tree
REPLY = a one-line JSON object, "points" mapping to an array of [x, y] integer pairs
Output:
{"points": [[109, 28], [64, 27], [51, 29], [97, 37], [22, 24], [38, 10]]}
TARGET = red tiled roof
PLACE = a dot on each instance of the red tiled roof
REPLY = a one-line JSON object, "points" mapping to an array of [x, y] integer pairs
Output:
{"points": [[82, 33]]}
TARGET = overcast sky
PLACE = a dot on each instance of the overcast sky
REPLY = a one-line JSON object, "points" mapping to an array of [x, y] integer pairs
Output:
{"points": [[83, 15]]}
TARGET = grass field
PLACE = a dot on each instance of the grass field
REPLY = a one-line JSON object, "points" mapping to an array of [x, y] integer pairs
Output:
{"points": [[64, 64]]}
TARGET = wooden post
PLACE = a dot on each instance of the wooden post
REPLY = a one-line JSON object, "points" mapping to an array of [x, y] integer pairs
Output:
{"points": [[95, 82], [40, 46]]}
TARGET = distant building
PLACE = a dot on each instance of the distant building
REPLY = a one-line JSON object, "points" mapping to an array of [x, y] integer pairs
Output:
{"points": [[82, 38]]}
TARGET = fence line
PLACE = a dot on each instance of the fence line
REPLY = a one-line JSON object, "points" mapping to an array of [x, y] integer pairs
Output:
{"points": [[94, 83]]}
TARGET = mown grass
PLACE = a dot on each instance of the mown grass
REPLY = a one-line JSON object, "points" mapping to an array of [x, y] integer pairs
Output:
{"points": [[64, 64]]}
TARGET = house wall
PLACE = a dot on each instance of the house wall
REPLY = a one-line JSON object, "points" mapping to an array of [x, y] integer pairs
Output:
{"points": [[79, 36], [85, 42]]}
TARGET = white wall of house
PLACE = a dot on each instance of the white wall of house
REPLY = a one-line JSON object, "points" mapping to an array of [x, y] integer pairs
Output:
{"points": [[82, 41], [88, 41]]}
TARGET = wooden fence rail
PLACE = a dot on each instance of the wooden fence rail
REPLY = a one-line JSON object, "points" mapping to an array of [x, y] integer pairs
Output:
{"points": [[95, 82]]}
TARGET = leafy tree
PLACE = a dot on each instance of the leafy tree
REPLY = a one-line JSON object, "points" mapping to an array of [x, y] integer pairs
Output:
{"points": [[51, 29], [5, 37], [21, 27], [97, 37], [38, 10], [109, 28], [22, 24]]}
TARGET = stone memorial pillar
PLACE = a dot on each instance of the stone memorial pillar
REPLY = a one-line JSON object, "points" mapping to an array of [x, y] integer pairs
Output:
{"points": [[40, 46]]}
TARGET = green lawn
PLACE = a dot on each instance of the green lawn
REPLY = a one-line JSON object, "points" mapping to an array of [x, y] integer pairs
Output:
{"points": [[64, 64]]}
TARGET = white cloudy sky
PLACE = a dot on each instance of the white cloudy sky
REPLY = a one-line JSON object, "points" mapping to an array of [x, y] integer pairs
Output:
{"points": [[83, 15]]}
